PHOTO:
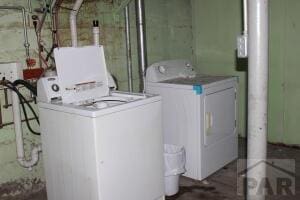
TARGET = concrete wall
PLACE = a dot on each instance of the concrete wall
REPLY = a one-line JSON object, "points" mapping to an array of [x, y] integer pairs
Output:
{"points": [[216, 23], [169, 36]]}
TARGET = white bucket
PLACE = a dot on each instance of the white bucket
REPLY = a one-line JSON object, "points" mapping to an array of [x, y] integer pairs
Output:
{"points": [[171, 185], [174, 167]]}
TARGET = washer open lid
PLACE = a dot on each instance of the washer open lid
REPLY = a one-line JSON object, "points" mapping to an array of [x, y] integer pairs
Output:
{"points": [[82, 73]]}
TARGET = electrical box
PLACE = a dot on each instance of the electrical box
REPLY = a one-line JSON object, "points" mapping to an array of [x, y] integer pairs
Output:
{"points": [[242, 46], [11, 71]]}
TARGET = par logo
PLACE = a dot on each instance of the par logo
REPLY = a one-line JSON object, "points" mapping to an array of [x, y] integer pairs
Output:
{"points": [[279, 178]]}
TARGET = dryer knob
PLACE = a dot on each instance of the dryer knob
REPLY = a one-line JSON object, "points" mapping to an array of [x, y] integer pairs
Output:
{"points": [[161, 69]]}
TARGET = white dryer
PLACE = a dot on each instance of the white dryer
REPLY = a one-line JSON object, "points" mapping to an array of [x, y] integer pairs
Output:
{"points": [[97, 144], [199, 112]]}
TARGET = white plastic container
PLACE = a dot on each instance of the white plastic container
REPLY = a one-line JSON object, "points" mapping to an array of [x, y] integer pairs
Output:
{"points": [[174, 167]]}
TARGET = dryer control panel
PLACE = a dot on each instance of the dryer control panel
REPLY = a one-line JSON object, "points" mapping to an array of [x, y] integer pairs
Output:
{"points": [[170, 69]]}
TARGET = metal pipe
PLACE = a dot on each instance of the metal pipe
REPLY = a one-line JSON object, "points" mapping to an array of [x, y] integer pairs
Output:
{"points": [[53, 4], [54, 21], [1, 121], [22, 9], [5, 97], [128, 48], [54, 28], [29, 6], [73, 19], [42, 20], [257, 93], [141, 36], [245, 18]]}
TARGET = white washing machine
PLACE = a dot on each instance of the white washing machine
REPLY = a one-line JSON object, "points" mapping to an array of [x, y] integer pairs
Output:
{"points": [[199, 112], [97, 144]]}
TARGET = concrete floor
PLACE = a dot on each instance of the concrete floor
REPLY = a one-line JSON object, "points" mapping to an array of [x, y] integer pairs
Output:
{"points": [[221, 185]]}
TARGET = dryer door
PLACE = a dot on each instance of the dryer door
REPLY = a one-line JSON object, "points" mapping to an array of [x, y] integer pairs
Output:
{"points": [[219, 115]]}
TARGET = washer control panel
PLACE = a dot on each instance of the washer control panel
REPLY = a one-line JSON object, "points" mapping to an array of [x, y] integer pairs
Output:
{"points": [[48, 89]]}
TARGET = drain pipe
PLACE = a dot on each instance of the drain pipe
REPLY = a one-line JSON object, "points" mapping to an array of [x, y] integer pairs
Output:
{"points": [[128, 48], [34, 157], [22, 9], [257, 93], [73, 20], [141, 36]]}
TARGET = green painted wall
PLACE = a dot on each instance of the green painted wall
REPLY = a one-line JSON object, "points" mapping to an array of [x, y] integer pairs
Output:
{"points": [[169, 36], [216, 23]]}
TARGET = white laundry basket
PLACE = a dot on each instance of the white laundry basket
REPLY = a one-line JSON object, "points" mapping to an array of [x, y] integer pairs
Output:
{"points": [[174, 167]]}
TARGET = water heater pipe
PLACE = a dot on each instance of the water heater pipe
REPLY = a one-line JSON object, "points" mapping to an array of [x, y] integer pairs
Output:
{"points": [[22, 9], [73, 21], [257, 92], [141, 36], [34, 157], [128, 48]]}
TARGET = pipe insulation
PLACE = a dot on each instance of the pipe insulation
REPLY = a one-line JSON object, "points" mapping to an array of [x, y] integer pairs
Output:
{"points": [[128, 48], [141, 36], [258, 21], [25, 32], [73, 21], [34, 156]]}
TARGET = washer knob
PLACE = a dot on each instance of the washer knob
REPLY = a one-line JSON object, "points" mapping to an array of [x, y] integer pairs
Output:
{"points": [[55, 87]]}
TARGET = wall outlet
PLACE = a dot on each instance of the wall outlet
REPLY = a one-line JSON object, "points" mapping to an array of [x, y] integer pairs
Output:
{"points": [[11, 71]]}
